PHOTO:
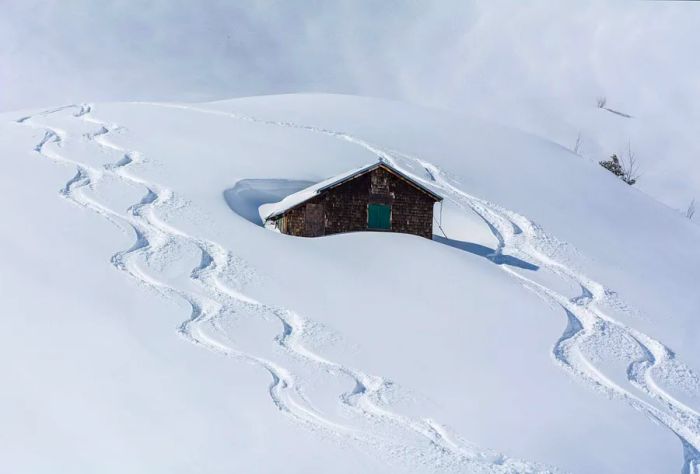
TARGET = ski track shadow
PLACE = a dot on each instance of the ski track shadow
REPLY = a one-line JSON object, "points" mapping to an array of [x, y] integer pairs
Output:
{"points": [[486, 252]]}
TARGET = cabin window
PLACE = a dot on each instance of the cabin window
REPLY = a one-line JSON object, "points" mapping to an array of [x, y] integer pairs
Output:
{"points": [[378, 216]]}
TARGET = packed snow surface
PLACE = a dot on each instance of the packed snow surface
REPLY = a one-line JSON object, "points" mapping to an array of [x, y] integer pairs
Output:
{"points": [[550, 325]]}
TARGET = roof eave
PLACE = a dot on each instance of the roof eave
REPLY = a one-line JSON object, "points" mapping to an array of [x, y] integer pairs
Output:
{"points": [[354, 175]]}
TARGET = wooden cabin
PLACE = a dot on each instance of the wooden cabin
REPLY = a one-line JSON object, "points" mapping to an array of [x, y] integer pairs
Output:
{"points": [[376, 197]]}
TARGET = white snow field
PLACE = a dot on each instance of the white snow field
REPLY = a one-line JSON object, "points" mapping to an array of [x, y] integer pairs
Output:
{"points": [[152, 325]]}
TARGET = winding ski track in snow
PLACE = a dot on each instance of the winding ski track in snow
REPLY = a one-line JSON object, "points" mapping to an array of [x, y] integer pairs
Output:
{"points": [[519, 236], [214, 300], [152, 236]]}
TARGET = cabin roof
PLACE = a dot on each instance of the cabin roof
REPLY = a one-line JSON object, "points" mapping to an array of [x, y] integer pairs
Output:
{"points": [[270, 211]]}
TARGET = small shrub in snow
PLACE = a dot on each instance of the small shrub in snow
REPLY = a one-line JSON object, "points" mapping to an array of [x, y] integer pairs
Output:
{"points": [[615, 167], [601, 101], [627, 171]]}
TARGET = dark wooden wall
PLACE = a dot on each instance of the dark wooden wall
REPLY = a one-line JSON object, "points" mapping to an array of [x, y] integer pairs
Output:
{"points": [[344, 208]]}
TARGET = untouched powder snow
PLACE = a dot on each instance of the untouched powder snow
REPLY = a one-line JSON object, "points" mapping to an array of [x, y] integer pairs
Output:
{"points": [[550, 326]]}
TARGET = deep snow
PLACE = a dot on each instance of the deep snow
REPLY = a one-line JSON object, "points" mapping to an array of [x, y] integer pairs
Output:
{"points": [[555, 330]]}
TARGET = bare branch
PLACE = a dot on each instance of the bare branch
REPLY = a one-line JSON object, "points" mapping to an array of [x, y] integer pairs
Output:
{"points": [[690, 212], [630, 167], [577, 145]]}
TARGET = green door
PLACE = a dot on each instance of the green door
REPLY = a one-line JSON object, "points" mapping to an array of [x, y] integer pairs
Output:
{"points": [[378, 216]]}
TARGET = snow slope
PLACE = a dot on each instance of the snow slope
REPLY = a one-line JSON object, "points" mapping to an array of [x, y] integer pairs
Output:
{"points": [[550, 326], [660, 137]]}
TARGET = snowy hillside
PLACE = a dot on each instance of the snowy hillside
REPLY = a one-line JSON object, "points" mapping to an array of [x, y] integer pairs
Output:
{"points": [[662, 143], [153, 325]]}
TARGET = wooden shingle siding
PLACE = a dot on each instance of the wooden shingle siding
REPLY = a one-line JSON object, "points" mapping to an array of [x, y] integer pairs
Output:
{"points": [[344, 208]]}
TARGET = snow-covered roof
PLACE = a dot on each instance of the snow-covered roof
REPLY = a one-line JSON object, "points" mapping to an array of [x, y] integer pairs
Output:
{"points": [[272, 210]]}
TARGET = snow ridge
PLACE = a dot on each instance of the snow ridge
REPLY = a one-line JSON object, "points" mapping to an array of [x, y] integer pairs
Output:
{"points": [[213, 300], [523, 238]]}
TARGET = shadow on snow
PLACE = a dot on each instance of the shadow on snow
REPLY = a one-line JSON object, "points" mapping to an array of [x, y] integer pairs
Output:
{"points": [[486, 252]]}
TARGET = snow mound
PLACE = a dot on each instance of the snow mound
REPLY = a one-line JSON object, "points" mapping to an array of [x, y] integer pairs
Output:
{"points": [[248, 195]]}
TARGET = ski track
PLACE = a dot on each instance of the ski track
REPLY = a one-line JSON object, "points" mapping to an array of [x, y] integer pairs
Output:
{"points": [[214, 300], [519, 236]]}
